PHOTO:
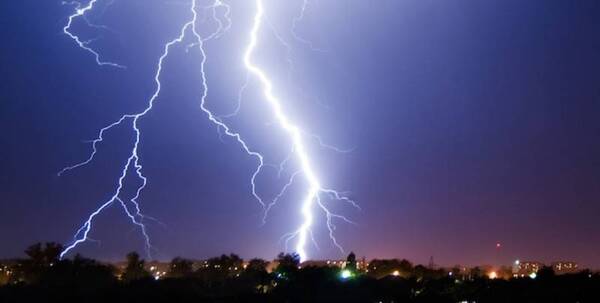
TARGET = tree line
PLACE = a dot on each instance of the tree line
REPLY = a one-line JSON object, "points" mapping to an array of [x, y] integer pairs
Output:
{"points": [[44, 277]]}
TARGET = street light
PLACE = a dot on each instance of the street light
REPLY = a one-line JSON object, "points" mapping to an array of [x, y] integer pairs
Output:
{"points": [[346, 274]]}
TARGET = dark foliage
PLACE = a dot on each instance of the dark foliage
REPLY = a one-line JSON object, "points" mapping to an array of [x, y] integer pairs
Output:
{"points": [[135, 268], [226, 279], [180, 268]]}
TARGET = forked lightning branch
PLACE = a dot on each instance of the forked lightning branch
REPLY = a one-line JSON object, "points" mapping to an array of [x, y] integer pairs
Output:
{"points": [[316, 196]]}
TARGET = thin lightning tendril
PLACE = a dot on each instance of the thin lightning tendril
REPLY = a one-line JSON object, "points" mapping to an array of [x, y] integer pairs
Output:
{"points": [[297, 19], [216, 120], [80, 12], [315, 191], [82, 234], [279, 195]]}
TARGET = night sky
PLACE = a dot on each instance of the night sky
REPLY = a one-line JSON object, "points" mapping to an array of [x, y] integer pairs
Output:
{"points": [[470, 123]]}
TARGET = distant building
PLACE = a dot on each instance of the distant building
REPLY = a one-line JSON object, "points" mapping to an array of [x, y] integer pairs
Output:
{"points": [[530, 268], [361, 264], [565, 267], [5, 273], [526, 268], [9, 271], [157, 269]]}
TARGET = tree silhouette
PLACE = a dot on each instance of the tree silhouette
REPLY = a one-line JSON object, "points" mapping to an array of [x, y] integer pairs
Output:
{"points": [[135, 268], [41, 257], [44, 255], [545, 273], [476, 272], [79, 279], [257, 265], [80, 273], [351, 262], [255, 277], [287, 264], [219, 269], [230, 264], [381, 268], [180, 268]]}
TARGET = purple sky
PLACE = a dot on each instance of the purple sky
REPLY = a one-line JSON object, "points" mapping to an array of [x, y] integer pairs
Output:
{"points": [[472, 123]]}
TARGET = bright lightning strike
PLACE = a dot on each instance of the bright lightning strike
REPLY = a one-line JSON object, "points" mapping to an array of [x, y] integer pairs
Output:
{"points": [[315, 192], [315, 189]]}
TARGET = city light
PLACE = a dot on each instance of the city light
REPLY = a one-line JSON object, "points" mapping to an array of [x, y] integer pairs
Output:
{"points": [[346, 274]]}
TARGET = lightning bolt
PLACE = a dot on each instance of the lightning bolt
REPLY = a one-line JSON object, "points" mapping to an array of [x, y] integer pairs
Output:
{"points": [[133, 161], [315, 189], [80, 12], [315, 192]]}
